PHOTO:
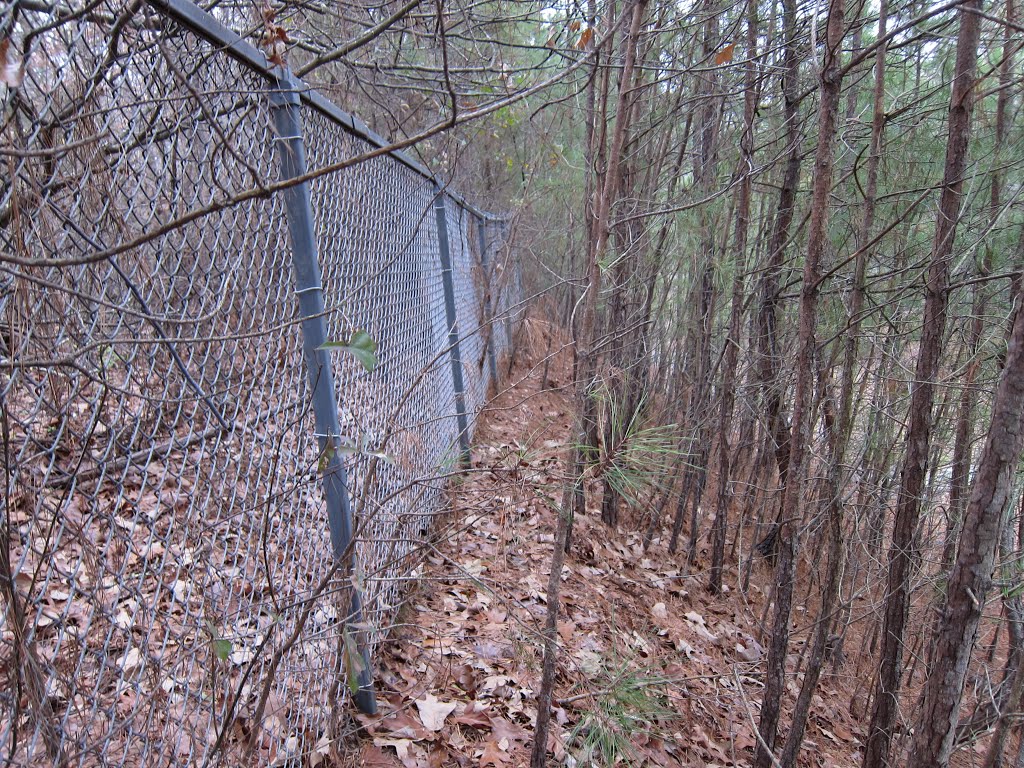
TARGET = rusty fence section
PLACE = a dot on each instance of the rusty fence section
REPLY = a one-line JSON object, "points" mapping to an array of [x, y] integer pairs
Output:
{"points": [[208, 516]]}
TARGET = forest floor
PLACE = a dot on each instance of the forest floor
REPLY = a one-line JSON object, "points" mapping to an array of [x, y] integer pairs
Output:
{"points": [[652, 669]]}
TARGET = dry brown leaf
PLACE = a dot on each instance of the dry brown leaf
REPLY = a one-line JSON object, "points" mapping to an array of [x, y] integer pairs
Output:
{"points": [[372, 756], [404, 748], [842, 732], [466, 679], [12, 68], [566, 629], [653, 748], [503, 729], [493, 755], [433, 711], [475, 716], [402, 726]]}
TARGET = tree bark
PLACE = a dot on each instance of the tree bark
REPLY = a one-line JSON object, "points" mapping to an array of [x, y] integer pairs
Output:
{"points": [[903, 552], [768, 353], [991, 494], [736, 311], [831, 84], [857, 294], [1013, 680], [585, 373]]}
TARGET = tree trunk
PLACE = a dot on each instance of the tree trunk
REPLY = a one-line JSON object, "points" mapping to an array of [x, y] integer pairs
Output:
{"points": [[831, 83], [857, 294], [736, 311], [768, 353], [1013, 681], [969, 583], [903, 551], [585, 373]]}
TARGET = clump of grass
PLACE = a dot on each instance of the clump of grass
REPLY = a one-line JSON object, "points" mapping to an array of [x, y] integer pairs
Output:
{"points": [[629, 702], [635, 457]]}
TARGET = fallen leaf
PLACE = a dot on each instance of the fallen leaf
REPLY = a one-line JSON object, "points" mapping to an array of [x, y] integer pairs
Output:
{"points": [[698, 623], [748, 654], [502, 729], [12, 68], [287, 752], [475, 716], [684, 647], [491, 651], [433, 711], [744, 740], [320, 752], [466, 679], [493, 682], [130, 660], [566, 629], [401, 725], [401, 747], [695, 618], [438, 756], [842, 732], [493, 755], [372, 756]]}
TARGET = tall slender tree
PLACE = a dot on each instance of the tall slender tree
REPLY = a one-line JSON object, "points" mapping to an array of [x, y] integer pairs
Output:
{"points": [[969, 583], [828, 112], [732, 342], [903, 550], [587, 346]]}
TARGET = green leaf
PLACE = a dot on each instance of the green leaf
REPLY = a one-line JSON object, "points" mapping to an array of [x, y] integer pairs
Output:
{"points": [[1013, 591], [222, 648], [325, 459], [362, 448], [353, 661], [385, 457], [361, 346]]}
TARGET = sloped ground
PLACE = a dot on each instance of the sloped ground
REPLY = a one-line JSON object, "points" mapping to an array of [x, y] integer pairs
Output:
{"points": [[652, 670]]}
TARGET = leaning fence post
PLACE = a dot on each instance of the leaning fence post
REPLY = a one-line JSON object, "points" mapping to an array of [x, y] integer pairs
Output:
{"points": [[514, 295], [448, 284], [286, 109], [492, 362]]}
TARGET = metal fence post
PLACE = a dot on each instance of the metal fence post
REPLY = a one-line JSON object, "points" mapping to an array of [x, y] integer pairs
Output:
{"points": [[286, 110], [514, 292], [448, 283], [492, 362]]}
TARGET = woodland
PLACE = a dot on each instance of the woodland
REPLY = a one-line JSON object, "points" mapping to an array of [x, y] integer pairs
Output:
{"points": [[780, 244], [751, 493]]}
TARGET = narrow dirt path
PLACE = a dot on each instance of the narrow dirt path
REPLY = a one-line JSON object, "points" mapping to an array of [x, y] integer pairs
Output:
{"points": [[652, 671]]}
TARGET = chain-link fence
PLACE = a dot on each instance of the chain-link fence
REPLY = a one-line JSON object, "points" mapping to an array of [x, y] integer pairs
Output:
{"points": [[185, 469]]}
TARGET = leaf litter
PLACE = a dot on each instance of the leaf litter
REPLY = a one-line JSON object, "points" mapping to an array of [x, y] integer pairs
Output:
{"points": [[648, 661]]}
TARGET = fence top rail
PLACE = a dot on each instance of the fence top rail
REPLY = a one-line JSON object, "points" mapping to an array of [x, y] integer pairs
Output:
{"points": [[203, 24]]}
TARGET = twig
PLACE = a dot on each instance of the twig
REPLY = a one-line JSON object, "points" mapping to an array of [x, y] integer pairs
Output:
{"points": [[162, 448], [750, 716]]}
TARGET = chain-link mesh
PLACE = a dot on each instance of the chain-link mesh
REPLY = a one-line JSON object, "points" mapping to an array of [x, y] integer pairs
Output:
{"points": [[505, 280], [166, 550]]}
